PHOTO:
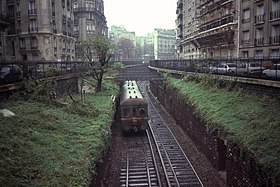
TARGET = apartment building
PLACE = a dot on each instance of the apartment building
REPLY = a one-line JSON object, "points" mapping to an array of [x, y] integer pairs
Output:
{"points": [[89, 19], [39, 30], [260, 29], [164, 44], [208, 28], [187, 27], [4, 23]]}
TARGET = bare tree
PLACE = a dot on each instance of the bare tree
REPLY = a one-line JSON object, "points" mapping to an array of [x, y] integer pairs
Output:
{"points": [[97, 51]]}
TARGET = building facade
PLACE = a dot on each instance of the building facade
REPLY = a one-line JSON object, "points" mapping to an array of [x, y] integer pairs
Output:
{"points": [[39, 30], [259, 29], [208, 28], [164, 44], [89, 19], [187, 27]]}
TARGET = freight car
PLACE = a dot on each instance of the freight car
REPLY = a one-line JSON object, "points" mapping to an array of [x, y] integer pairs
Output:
{"points": [[133, 108]]}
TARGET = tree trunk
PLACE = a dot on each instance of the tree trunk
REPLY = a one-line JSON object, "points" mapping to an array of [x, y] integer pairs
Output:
{"points": [[99, 82]]}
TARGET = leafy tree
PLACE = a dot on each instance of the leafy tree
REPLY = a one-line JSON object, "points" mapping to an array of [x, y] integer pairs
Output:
{"points": [[97, 50], [127, 47]]}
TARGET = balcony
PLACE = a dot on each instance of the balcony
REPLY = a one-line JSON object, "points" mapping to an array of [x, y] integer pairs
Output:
{"points": [[85, 9], [34, 48], [33, 29], [246, 20], [4, 20], [179, 3], [259, 41], [22, 48], [245, 41], [275, 14], [213, 6], [32, 11], [216, 23], [274, 39], [259, 18]]}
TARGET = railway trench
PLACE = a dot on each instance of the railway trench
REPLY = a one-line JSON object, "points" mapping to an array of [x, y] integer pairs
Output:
{"points": [[112, 172]]}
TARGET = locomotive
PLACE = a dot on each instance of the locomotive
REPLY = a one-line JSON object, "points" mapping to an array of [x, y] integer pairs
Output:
{"points": [[133, 108]]}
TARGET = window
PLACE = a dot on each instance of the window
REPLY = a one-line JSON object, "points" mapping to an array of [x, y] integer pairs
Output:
{"points": [[275, 9], [275, 34], [259, 14], [246, 16], [32, 5], [246, 37], [244, 54], [22, 43], [258, 54], [34, 43], [76, 5], [275, 5], [33, 25], [274, 53]]}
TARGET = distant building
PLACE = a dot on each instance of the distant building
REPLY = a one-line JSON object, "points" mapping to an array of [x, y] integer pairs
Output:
{"points": [[118, 32], [260, 29], [164, 44], [89, 19], [38, 30]]}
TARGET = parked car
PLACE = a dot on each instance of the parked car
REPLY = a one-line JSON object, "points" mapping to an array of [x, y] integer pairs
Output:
{"points": [[9, 74], [249, 69], [273, 72], [227, 68]]}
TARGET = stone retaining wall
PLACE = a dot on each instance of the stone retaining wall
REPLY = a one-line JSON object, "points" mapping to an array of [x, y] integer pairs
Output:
{"points": [[240, 167]]}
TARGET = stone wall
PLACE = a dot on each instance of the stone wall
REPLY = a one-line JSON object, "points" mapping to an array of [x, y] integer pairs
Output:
{"points": [[240, 167]]}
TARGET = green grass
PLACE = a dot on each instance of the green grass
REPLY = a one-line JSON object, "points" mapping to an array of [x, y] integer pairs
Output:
{"points": [[250, 121], [44, 145]]}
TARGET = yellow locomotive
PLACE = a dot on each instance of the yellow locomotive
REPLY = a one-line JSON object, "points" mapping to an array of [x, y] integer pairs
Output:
{"points": [[133, 108]]}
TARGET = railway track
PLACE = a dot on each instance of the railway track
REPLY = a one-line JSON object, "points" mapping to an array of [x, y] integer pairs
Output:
{"points": [[176, 165], [140, 168]]}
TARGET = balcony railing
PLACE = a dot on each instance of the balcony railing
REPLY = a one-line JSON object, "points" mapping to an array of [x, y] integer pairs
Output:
{"points": [[33, 29], [274, 39], [216, 23], [32, 11], [259, 41], [259, 18], [245, 20], [34, 47], [4, 19], [245, 41], [275, 14]]}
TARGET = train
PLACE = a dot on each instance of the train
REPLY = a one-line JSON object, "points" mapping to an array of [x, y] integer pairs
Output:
{"points": [[133, 108]]}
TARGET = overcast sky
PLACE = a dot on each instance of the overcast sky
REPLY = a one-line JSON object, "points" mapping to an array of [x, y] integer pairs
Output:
{"points": [[141, 16]]}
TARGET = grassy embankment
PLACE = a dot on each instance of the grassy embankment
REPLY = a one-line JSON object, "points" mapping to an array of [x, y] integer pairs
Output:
{"points": [[47, 145], [250, 121]]}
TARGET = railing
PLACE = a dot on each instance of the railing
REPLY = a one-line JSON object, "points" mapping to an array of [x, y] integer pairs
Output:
{"points": [[274, 39], [259, 41], [275, 14], [32, 29], [265, 68], [216, 23], [259, 18], [42, 69], [32, 11]]}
